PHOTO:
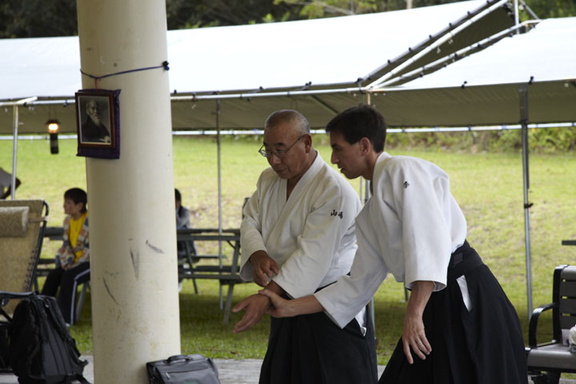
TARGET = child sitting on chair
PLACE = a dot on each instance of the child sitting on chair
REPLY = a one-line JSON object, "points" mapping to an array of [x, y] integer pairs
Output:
{"points": [[73, 257]]}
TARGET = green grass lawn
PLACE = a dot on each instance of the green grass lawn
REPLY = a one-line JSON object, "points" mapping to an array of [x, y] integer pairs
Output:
{"points": [[487, 186]]}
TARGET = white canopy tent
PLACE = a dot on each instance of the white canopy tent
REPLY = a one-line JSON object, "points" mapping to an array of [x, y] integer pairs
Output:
{"points": [[234, 77], [479, 90], [227, 77], [238, 63]]}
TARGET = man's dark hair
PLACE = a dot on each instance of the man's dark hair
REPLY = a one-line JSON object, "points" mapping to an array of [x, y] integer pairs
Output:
{"points": [[77, 195], [357, 122]]}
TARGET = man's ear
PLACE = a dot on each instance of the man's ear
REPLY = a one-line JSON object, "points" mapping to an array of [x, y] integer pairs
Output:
{"points": [[307, 139], [365, 145]]}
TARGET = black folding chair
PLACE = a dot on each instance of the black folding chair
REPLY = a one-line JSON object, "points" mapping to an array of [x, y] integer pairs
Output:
{"points": [[547, 361]]}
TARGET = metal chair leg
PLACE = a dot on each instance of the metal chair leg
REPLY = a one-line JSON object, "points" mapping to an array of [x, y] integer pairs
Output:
{"points": [[81, 298]]}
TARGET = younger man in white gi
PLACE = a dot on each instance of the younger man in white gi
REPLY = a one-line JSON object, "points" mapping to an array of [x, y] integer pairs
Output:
{"points": [[459, 326], [297, 237]]}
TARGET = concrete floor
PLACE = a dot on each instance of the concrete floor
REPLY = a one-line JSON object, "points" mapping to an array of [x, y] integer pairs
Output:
{"points": [[229, 371]]}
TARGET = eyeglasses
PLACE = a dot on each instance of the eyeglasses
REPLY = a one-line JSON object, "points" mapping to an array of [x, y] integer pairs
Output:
{"points": [[279, 152]]}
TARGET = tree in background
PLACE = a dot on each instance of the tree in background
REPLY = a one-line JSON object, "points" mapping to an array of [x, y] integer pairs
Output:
{"points": [[44, 18], [329, 8], [553, 8], [205, 13], [37, 18]]}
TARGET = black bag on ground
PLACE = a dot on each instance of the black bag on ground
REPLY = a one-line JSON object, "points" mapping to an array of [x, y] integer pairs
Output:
{"points": [[41, 348], [183, 369]]}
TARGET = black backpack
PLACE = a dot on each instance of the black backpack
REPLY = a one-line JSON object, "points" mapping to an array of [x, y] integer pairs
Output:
{"points": [[41, 348]]}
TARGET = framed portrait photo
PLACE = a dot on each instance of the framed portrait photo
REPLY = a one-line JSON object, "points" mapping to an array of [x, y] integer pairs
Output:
{"points": [[98, 123]]}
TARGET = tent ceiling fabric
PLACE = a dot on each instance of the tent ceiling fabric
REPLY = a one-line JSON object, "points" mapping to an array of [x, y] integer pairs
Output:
{"points": [[549, 102], [323, 54], [474, 27], [242, 113]]}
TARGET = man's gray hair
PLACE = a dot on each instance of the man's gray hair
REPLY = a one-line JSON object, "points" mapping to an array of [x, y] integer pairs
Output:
{"points": [[288, 116]]}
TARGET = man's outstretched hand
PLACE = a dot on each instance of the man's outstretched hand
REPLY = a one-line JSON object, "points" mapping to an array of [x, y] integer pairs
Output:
{"points": [[255, 307]]}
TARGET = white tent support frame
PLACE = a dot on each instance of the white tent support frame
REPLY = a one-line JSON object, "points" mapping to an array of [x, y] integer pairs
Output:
{"points": [[443, 39], [434, 42], [14, 151], [16, 123], [239, 132], [446, 60], [523, 96]]}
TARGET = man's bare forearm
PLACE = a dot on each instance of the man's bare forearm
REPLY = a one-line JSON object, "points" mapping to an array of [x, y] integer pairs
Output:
{"points": [[289, 308]]}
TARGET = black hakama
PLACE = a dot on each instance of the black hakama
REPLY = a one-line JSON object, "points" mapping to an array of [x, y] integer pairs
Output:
{"points": [[483, 346], [312, 349]]}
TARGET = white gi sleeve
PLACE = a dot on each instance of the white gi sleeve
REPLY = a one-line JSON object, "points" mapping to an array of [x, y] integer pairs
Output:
{"points": [[343, 300], [422, 200]]}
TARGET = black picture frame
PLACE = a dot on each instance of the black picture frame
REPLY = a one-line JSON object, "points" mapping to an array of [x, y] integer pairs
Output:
{"points": [[98, 123]]}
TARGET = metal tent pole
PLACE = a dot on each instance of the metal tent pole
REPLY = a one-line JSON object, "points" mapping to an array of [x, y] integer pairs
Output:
{"points": [[219, 172], [523, 93], [219, 162], [14, 152], [367, 193], [16, 123]]}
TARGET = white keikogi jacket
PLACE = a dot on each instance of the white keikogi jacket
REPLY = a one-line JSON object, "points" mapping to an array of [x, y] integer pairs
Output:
{"points": [[310, 236], [409, 228]]}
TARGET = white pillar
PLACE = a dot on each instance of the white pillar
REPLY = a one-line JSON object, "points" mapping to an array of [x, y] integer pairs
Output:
{"points": [[134, 285]]}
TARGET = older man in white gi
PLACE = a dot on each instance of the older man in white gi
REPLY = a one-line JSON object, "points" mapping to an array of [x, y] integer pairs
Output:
{"points": [[298, 237]]}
